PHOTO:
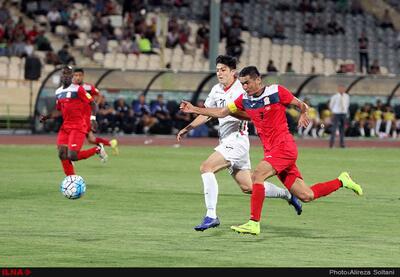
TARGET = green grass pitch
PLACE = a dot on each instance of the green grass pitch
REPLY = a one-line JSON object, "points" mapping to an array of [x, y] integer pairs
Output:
{"points": [[140, 209]]}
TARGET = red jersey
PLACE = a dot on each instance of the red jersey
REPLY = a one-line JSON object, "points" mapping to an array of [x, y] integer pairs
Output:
{"points": [[268, 113], [93, 92], [72, 102], [88, 111]]}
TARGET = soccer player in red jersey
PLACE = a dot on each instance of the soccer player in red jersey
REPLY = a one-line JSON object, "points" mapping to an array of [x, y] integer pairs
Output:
{"points": [[72, 101], [78, 80], [266, 107]]}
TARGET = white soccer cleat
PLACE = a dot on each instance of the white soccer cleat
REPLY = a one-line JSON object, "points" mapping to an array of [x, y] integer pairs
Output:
{"points": [[102, 153]]}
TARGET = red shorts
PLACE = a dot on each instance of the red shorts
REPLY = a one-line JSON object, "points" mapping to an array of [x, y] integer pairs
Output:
{"points": [[74, 138], [283, 160]]}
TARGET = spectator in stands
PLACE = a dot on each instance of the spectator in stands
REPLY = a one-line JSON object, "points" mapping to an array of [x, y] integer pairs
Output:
{"points": [[326, 119], [289, 68], [268, 28], [51, 58], [29, 48], [375, 68], [4, 51], [356, 7], [4, 13], [124, 116], [363, 52], [105, 116], [206, 47], [145, 45], [32, 34], [143, 114], [271, 67], [386, 21], [163, 116], [54, 18], [333, 27], [389, 119], [279, 30], [376, 116], [129, 46], [73, 28], [202, 34], [64, 55], [98, 44], [363, 120], [234, 43], [18, 47], [234, 46], [172, 39], [339, 105], [42, 43]]}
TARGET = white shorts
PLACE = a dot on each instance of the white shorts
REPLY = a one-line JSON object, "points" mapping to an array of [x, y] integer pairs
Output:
{"points": [[235, 149]]}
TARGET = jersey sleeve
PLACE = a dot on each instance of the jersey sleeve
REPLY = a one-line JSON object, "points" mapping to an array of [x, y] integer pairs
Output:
{"points": [[236, 105], [84, 95], [58, 105], [94, 91], [285, 95]]}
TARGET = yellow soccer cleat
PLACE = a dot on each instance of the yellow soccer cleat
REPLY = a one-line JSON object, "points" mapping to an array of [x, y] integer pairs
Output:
{"points": [[114, 146], [348, 183], [251, 227]]}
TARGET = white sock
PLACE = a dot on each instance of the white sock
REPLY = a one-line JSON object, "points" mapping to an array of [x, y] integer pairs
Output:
{"points": [[273, 191], [210, 193]]}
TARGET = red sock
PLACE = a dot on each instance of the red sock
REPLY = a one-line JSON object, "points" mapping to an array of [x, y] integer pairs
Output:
{"points": [[104, 141], [84, 154], [68, 167], [257, 201], [322, 189]]}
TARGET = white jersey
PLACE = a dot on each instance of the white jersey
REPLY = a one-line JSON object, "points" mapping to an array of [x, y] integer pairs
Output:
{"points": [[219, 98]]}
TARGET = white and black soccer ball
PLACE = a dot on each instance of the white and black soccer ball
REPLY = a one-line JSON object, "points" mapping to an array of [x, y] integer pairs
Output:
{"points": [[73, 187]]}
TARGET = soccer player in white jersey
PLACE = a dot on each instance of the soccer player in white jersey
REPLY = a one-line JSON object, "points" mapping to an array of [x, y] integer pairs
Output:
{"points": [[233, 149]]}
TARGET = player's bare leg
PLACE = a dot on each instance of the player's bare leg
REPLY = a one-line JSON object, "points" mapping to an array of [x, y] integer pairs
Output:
{"points": [[67, 165]]}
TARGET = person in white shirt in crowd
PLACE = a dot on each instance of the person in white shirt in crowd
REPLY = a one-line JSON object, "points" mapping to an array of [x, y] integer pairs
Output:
{"points": [[339, 105]]}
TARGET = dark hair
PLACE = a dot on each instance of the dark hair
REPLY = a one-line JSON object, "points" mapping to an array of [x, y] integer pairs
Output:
{"points": [[79, 69], [251, 71], [226, 60]]}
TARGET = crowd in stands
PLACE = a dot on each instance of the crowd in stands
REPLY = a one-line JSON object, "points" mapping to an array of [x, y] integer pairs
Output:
{"points": [[367, 120], [142, 117], [164, 117]]}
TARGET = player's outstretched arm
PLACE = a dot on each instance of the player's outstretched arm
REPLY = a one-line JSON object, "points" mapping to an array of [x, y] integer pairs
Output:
{"points": [[187, 107], [304, 120], [199, 120], [242, 115], [44, 117], [93, 121]]}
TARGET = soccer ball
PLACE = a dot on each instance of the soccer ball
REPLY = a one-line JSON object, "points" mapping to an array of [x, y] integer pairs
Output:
{"points": [[73, 187]]}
